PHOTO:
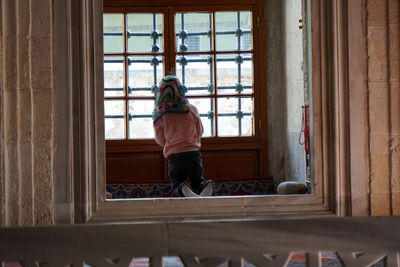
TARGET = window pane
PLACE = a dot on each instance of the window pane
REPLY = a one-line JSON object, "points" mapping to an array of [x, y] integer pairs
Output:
{"points": [[144, 32], [234, 74], [193, 31], [113, 29], [113, 76], [144, 74], [247, 121], [195, 72], [231, 29], [246, 22], [140, 120], [205, 106], [235, 116], [114, 115]]}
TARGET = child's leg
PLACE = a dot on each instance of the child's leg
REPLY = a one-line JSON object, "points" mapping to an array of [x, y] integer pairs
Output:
{"points": [[195, 171], [176, 173]]}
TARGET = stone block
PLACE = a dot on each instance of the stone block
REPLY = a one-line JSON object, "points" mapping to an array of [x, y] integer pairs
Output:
{"points": [[380, 173], [395, 154], [395, 151], [396, 204], [394, 53], [26, 193], [377, 54], [377, 12], [380, 204], [41, 11], [23, 63], [394, 12], [395, 159], [380, 144], [42, 123], [43, 181], [41, 62], [395, 107], [379, 108], [24, 114], [23, 18], [9, 74], [9, 105], [8, 19]]}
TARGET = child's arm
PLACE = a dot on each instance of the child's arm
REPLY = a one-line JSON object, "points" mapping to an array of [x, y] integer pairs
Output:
{"points": [[199, 124], [200, 128], [159, 133]]}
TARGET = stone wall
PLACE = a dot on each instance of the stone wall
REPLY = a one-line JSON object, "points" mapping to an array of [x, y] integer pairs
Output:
{"points": [[383, 48], [27, 144], [26, 112]]}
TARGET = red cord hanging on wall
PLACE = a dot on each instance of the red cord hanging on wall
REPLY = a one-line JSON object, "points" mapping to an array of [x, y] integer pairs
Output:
{"points": [[305, 130]]}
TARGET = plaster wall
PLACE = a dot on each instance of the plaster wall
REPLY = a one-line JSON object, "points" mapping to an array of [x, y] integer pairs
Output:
{"points": [[286, 90], [294, 85]]}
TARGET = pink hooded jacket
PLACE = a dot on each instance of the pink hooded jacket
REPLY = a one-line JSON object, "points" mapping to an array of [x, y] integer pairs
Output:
{"points": [[179, 132]]}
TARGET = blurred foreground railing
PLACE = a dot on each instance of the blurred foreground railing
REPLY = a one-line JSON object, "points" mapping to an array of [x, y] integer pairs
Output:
{"points": [[369, 241]]}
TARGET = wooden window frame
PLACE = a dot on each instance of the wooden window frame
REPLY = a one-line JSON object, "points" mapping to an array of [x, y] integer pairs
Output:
{"points": [[86, 176], [255, 146]]}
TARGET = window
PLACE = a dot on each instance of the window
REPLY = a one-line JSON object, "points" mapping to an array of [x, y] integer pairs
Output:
{"points": [[132, 72], [87, 183], [213, 51]]}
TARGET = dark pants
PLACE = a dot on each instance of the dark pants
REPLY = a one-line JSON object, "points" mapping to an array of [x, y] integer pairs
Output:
{"points": [[185, 165]]}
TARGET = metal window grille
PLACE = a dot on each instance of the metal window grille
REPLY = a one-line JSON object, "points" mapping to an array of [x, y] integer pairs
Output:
{"points": [[190, 42]]}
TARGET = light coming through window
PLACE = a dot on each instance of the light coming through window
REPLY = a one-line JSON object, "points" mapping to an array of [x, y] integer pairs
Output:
{"points": [[212, 54]]}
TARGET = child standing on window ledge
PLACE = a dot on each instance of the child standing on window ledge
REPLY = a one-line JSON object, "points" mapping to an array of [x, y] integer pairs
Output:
{"points": [[178, 128]]}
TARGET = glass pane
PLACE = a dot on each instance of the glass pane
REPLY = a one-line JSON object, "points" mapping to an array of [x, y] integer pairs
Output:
{"points": [[233, 30], [195, 72], [206, 109], [245, 39], [144, 74], [193, 31], [144, 32], [114, 119], [235, 116], [140, 120], [113, 28], [113, 76], [234, 74]]}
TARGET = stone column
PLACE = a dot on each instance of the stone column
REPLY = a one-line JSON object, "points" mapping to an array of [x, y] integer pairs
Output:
{"points": [[26, 180]]}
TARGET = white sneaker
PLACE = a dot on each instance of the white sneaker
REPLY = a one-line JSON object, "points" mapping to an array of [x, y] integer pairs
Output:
{"points": [[187, 192], [208, 190]]}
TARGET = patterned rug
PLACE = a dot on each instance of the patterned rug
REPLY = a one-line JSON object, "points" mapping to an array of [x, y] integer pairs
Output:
{"points": [[226, 188]]}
